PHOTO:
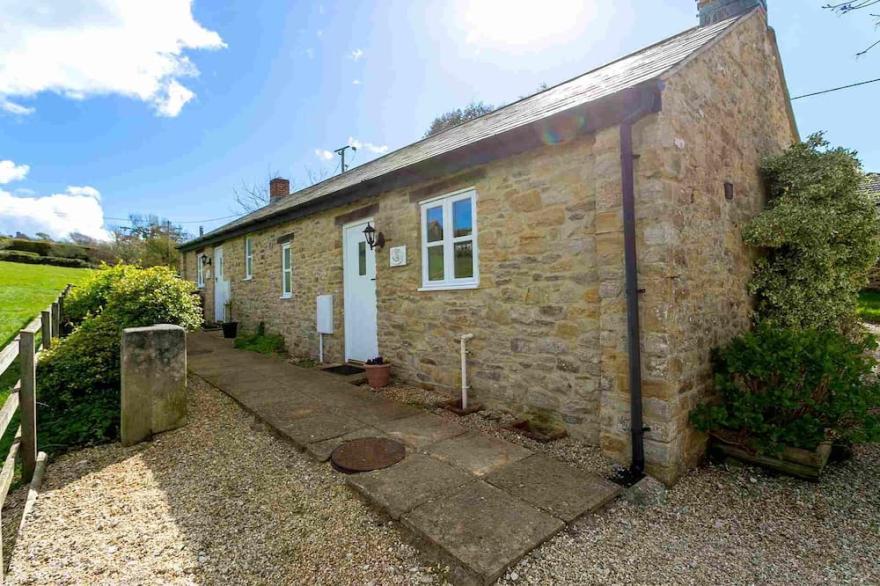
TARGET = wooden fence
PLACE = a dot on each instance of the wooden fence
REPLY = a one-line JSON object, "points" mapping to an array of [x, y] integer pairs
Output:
{"points": [[23, 396]]}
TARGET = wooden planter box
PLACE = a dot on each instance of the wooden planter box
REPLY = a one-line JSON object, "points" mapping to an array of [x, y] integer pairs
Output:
{"points": [[792, 461]]}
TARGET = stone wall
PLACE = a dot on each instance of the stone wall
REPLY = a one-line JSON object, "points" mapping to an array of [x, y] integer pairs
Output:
{"points": [[535, 314], [722, 113]]}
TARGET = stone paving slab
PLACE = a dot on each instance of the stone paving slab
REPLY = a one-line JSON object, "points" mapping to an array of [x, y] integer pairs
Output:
{"points": [[409, 483], [422, 430], [315, 427], [478, 453], [322, 450], [483, 527], [554, 486]]}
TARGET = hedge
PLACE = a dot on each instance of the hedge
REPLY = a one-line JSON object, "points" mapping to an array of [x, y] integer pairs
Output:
{"points": [[33, 258]]}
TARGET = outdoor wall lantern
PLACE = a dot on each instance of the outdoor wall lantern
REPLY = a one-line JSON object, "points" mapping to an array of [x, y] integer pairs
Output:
{"points": [[373, 239], [206, 260]]}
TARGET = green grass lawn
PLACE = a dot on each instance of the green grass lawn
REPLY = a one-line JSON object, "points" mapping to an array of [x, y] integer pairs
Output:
{"points": [[25, 290], [869, 306]]}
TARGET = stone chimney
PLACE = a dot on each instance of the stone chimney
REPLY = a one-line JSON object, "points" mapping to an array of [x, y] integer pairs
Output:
{"points": [[278, 187], [712, 11]]}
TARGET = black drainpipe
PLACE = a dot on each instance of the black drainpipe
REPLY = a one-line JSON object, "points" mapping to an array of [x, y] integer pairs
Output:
{"points": [[648, 101]]}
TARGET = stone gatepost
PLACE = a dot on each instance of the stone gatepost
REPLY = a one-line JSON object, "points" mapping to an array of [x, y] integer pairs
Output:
{"points": [[153, 381]]}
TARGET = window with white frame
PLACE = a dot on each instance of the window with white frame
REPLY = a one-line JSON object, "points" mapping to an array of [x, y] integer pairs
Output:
{"points": [[286, 271], [449, 242], [200, 270], [248, 257]]}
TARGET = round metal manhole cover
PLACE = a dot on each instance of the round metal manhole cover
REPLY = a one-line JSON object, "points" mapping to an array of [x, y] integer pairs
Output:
{"points": [[369, 453]]}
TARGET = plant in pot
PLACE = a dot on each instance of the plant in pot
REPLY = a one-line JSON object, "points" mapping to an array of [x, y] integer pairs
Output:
{"points": [[230, 327], [786, 396], [378, 372]]}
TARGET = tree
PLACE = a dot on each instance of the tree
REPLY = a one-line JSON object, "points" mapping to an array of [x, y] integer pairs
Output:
{"points": [[844, 8], [253, 196], [458, 116], [43, 236], [150, 241], [820, 233]]}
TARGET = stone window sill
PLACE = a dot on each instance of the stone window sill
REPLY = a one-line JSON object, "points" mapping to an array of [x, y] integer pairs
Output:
{"points": [[251, 278], [287, 296]]}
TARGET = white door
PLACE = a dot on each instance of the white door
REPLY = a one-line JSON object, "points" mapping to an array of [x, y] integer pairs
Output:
{"points": [[359, 283], [221, 286]]}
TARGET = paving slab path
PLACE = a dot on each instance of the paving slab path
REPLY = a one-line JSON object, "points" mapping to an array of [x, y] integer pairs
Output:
{"points": [[475, 502]]}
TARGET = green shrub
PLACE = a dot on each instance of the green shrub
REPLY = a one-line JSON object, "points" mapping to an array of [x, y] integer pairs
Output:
{"points": [[91, 296], [820, 233], [786, 387], [78, 379], [35, 259], [262, 343]]}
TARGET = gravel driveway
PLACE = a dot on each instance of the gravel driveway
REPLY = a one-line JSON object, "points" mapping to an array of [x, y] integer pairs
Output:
{"points": [[727, 526], [220, 501]]}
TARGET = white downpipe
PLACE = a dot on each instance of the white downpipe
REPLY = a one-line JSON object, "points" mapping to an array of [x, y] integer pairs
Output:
{"points": [[464, 381], [321, 348]]}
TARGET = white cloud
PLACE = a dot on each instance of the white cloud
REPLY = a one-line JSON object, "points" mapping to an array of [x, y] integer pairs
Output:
{"points": [[310, 53], [78, 209], [84, 49], [323, 154], [355, 82], [10, 172], [13, 108], [377, 149], [357, 54]]}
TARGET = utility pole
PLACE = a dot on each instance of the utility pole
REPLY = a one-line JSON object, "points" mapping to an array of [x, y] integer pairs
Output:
{"points": [[341, 152]]}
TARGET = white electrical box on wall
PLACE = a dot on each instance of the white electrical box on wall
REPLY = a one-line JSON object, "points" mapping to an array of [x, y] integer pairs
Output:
{"points": [[325, 314]]}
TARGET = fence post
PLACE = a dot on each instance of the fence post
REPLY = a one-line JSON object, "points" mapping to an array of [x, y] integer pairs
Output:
{"points": [[27, 405], [46, 328], [56, 319]]}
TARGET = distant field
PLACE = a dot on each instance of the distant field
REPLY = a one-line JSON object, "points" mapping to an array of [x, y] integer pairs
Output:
{"points": [[869, 306], [25, 290]]}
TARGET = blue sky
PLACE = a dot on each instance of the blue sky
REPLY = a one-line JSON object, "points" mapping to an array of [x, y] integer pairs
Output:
{"points": [[268, 85]]}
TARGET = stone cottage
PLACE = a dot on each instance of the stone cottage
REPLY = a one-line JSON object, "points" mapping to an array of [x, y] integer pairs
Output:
{"points": [[588, 237]]}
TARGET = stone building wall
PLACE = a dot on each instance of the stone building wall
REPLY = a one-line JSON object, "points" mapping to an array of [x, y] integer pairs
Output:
{"points": [[535, 314], [722, 113]]}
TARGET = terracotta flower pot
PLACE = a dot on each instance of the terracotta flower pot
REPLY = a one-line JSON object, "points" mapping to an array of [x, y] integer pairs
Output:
{"points": [[378, 375]]}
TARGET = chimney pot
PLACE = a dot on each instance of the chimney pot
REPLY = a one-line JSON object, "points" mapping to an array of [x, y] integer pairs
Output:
{"points": [[278, 187], [712, 11]]}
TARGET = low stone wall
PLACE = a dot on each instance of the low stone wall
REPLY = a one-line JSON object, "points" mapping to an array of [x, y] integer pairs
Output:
{"points": [[153, 381]]}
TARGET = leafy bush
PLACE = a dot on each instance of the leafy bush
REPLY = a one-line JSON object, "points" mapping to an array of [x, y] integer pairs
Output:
{"points": [[262, 343], [794, 388], [35, 259], [820, 231], [78, 379], [91, 297]]}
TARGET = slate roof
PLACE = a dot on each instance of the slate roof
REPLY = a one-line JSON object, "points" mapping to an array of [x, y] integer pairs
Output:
{"points": [[872, 184], [630, 71]]}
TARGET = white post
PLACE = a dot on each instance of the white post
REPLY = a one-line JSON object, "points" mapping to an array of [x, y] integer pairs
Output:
{"points": [[464, 383]]}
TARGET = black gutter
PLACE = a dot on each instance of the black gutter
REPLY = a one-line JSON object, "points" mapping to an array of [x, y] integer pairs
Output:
{"points": [[644, 103]]}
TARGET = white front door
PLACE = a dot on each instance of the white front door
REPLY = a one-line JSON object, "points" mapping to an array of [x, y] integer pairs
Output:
{"points": [[359, 283], [221, 286]]}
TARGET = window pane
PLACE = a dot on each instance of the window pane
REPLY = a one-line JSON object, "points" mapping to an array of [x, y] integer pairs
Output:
{"points": [[287, 276], [435, 263], [462, 223], [362, 258], [464, 260], [434, 222], [286, 258]]}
